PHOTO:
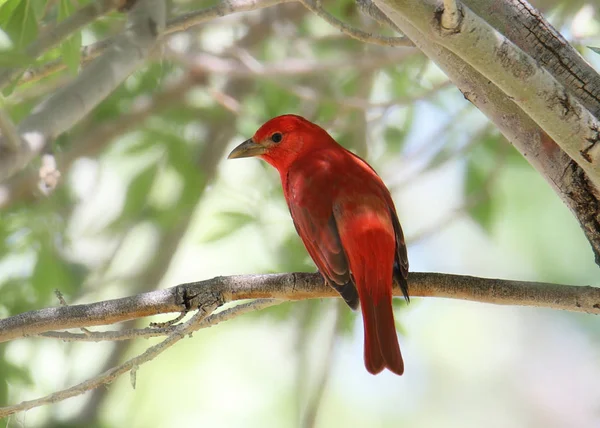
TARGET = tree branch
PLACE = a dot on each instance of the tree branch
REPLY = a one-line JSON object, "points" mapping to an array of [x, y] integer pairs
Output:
{"points": [[207, 296], [517, 74], [315, 7], [134, 333], [528, 29], [567, 179], [110, 375], [56, 34], [293, 286], [188, 20], [73, 102], [23, 186]]}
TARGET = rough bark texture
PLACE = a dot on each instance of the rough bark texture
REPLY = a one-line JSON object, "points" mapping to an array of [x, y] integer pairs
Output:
{"points": [[293, 286], [566, 177], [531, 32]]}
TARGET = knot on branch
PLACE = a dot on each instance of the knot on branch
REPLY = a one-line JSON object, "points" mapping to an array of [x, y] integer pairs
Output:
{"points": [[199, 295], [449, 17]]}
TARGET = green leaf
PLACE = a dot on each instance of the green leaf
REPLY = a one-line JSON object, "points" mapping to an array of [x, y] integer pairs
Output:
{"points": [[18, 20], [14, 58], [595, 49], [138, 191], [476, 177], [70, 48], [51, 272], [230, 222], [394, 138], [7, 8]]}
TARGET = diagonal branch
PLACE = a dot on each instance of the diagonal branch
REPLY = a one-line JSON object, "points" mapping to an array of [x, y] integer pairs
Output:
{"points": [[56, 34], [567, 179], [293, 286], [73, 102], [188, 20], [112, 374], [315, 7], [179, 23], [517, 74], [530, 31]]}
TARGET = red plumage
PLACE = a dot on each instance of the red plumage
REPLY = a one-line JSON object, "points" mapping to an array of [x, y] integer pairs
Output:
{"points": [[346, 218]]}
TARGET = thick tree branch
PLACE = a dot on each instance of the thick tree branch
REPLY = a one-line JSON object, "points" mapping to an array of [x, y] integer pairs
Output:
{"points": [[294, 286], [530, 31], [518, 75], [207, 296], [567, 179], [73, 102]]}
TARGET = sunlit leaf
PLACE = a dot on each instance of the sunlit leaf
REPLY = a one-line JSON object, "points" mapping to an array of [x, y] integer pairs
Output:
{"points": [[51, 272], [14, 58], [394, 138], [229, 223], [18, 20], [137, 195], [481, 210]]}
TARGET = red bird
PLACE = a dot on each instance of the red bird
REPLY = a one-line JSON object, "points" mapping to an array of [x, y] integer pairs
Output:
{"points": [[347, 220]]}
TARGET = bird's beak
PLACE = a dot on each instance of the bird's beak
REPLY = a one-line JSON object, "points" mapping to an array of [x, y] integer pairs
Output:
{"points": [[247, 149]]}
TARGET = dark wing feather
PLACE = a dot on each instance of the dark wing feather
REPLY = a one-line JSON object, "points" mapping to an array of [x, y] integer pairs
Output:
{"points": [[401, 261], [322, 241]]}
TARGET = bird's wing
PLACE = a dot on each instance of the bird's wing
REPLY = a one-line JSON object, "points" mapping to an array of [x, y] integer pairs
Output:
{"points": [[401, 260], [322, 241]]}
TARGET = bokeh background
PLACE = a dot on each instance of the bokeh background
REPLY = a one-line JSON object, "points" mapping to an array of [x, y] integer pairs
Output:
{"points": [[147, 200]]}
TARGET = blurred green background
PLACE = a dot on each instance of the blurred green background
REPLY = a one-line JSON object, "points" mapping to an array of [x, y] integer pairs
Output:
{"points": [[147, 200]]}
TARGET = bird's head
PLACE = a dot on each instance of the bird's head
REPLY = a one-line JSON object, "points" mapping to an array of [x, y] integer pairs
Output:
{"points": [[282, 140]]}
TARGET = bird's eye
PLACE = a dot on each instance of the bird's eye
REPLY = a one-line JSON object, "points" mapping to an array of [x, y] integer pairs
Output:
{"points": [[276, 137]]}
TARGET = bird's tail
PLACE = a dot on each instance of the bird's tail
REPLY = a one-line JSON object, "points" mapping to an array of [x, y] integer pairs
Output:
{"points": [[369, 241], [381, 342]]}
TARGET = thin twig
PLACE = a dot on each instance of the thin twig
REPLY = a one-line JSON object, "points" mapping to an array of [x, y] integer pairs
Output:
{"points": [[368, 8], [110, 375], [315, 7], [114, 336]]}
